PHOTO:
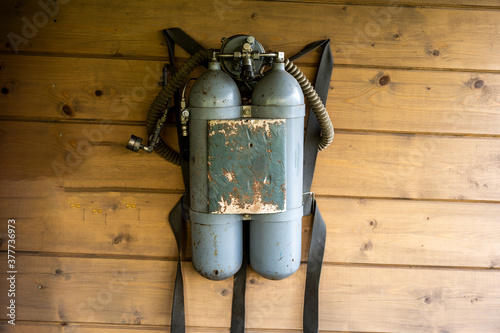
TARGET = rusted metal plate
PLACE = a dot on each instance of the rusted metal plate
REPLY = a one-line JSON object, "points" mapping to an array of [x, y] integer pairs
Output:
{"points": [[246, 166]]}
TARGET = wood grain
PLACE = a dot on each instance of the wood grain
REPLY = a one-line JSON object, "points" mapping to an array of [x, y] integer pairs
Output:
{"points": [[353, 298], [360, 99], [366, 35], [415, 101], [409, 166], [362, 231]]}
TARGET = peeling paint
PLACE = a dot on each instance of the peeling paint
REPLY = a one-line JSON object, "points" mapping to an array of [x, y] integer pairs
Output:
{"points": [[246, 166], [256, 207]]}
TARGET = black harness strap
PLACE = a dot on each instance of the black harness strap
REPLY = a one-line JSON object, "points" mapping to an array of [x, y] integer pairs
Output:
{"points": [[239, 286], [318, 236], [177, 321], [180, 213]]}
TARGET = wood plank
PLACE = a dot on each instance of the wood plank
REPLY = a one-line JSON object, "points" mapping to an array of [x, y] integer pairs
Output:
{"points": [[363, 231], [409, 166], [52, 87], [415, 101], [118, 90], [367, 35], [80, 155], [407, 232], [353, 298], [94, 223], [363, 164]]}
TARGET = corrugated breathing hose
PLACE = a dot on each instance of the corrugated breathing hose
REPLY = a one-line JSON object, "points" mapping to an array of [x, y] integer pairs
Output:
{"points": [[159, 107], [158, 110], [316, 104]]}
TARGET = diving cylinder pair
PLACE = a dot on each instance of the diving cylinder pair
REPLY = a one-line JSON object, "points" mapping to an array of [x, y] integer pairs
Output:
{"points": [[246, 167], [246, 134]]}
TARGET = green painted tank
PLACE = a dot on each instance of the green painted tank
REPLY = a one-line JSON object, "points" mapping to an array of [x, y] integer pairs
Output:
{"points": [[275, 239]]}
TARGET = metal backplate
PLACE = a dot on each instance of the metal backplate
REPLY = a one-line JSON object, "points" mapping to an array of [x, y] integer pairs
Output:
{"points": [[246, 166]]}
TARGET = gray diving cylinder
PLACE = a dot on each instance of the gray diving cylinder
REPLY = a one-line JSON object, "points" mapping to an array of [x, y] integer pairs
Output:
{"points": [[216, 239], [275, 239]]}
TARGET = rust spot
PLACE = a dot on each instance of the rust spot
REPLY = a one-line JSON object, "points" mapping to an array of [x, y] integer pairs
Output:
{"points": [[216, 271], [384, 80]]}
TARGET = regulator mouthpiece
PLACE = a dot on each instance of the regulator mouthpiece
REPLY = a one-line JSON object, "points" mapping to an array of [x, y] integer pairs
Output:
{"points": [[135, 144]]}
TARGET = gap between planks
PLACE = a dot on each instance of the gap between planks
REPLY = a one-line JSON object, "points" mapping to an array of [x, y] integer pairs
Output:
{"points": [[47, 326], [180, 60], [325, 196], [187, 260], [85, 121], [394, 3]]}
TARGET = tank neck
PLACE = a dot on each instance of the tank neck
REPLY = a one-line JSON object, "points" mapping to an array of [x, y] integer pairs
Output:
{"points": [[278, 66], [214, 65]]}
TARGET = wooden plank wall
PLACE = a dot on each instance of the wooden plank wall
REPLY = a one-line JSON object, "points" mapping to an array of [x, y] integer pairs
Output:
{"points": [[410, 188]]}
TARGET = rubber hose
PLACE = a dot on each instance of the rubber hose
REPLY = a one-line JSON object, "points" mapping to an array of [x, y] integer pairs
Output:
{"points": [[160, 103], [316, 104]]}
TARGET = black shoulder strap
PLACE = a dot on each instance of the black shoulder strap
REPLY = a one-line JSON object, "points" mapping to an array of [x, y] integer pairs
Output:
{"points": [[318, 236], [316, 251], [179, 214], [177, 322]]}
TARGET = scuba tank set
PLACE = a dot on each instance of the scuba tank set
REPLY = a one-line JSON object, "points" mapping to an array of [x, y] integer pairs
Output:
{"points": [[241, 134]]}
